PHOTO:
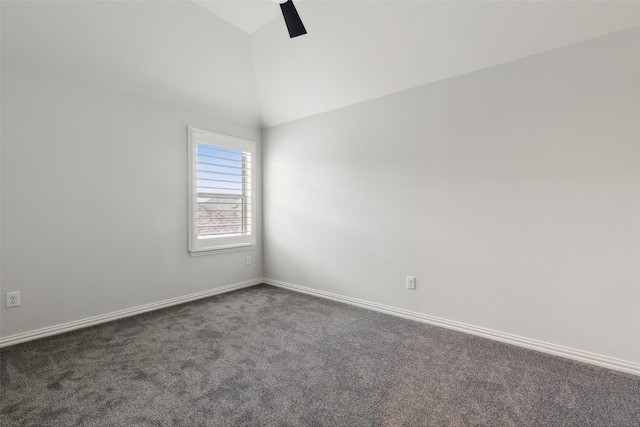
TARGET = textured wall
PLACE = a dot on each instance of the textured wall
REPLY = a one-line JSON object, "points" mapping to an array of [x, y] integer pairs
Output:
{"points": [[173, 52], [94, 201], [356, 51], [512, 194]]}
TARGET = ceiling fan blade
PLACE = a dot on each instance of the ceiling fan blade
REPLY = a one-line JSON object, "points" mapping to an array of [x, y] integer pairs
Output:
{"points": [[292, 19]]}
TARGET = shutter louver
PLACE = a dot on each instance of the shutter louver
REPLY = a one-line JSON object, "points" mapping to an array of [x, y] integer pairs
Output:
{"points": [[224, 192], [221, 209]]}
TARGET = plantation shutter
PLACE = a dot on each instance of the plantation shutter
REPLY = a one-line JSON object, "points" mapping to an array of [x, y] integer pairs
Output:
{"points": [[221, 202]]}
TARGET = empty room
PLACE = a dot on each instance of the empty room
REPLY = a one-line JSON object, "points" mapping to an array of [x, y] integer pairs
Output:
{"points": [[319, 213]]}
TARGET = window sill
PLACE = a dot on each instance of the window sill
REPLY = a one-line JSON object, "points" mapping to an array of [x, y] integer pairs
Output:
{"points": [[206, 252]]}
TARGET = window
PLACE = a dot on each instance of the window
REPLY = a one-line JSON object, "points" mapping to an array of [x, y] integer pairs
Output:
{"points": [[220, 208]]}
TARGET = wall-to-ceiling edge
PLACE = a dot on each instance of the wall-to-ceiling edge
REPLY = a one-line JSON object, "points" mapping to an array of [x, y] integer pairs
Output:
{"points": [[511, 193]]}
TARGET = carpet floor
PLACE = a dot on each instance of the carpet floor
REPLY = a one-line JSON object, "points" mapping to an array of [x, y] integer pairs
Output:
{"points": [[264, 356]]}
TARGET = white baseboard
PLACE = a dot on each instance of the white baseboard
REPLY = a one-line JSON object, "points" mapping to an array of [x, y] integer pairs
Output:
{"points": [[558, 350], [570, 353], [95, 320]]}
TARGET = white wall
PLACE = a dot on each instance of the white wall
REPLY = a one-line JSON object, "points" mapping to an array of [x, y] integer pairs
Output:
{"points": [[170, 51], [512, 194], [360, 50], [94, 201]]}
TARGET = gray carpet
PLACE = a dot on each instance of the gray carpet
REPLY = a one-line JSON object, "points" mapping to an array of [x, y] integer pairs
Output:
{"points": [[264, 356]]}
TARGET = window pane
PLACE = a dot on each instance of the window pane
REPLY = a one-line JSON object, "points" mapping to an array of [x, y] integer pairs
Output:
{"points": [[220, 216], [220, 210], [222, 173]]}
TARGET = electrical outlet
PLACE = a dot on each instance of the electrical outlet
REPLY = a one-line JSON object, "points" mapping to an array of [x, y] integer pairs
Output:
{"points": [[247, 260], [411, 282], [13, 299]]}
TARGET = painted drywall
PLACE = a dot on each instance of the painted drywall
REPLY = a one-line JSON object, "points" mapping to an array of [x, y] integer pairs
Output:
{"points": [[170, 51], [360, 50], [512, 194], [247, 15], [179, 53], [94, 201]]}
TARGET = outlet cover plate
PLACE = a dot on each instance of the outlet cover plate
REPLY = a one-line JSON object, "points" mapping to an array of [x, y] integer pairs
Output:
{"points": [[13, 299], [411, 282]]}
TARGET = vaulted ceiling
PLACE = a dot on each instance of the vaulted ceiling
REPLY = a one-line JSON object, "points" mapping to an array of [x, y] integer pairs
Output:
{"points": [[234, 59], [247, 15]]}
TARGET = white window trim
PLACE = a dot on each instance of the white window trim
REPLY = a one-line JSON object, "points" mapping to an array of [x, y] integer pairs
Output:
{"points": [[199, 247]]}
